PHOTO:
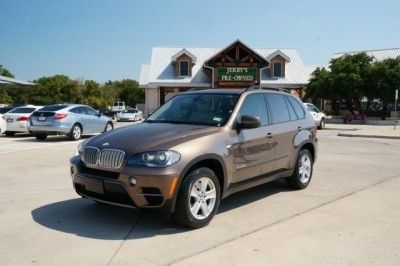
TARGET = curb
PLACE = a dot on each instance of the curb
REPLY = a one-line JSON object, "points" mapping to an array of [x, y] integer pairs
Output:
{"points": [[368, 136]]}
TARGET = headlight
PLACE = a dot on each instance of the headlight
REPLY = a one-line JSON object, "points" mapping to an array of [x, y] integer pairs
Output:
{"points": [[155, 158], [80, 147]]}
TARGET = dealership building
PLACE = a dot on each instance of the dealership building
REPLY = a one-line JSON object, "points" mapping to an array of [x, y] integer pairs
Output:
{"points": [[178, 69]]}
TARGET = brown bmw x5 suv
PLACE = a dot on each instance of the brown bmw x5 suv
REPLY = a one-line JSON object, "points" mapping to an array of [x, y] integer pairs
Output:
{"points": [[196, 149]]}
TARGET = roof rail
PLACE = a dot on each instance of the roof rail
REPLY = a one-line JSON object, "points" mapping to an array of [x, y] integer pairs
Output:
{"points": [[253, 87], [258, 87]]}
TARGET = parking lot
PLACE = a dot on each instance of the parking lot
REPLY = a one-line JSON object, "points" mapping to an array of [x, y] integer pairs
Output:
{"points": [[350, 214]]}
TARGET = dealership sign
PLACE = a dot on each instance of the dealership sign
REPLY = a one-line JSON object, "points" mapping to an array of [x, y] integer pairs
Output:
{"points": [[237, 74]]}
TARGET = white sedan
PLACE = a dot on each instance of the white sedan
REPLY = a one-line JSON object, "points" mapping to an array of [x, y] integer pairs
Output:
{"points": [[130, 115], [318, 116], [2, 124], [18, 119]]}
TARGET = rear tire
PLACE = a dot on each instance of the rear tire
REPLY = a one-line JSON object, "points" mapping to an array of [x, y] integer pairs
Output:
{"points": [[75, 133], [9, 133], [41, 136], [302, 174], [198, 199]]}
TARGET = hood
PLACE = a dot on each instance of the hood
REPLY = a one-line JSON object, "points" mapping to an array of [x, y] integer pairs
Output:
{"points": [[148, 136]]}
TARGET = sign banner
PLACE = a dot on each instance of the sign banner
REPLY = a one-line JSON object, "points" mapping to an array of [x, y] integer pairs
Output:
{"points": [[236, 73]]}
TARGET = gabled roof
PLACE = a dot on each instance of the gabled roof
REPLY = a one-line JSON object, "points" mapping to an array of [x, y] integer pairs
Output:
{"points": [[276, 53], [7, 80], [160, 71], [379, 55], [186, 52], [230, 46]]}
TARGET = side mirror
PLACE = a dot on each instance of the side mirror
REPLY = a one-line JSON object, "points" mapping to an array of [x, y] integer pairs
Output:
{"points": [[248, 122], [99, 114]]}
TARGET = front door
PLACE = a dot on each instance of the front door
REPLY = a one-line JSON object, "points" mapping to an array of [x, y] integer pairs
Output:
{"points": [[253, 149]]}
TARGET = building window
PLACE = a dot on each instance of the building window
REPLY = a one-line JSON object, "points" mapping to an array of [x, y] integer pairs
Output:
{"points": [[277, 69], [184, 68]]}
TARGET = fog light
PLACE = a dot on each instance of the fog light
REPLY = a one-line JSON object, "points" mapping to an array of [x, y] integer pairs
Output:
{"points": [[132, 181]]}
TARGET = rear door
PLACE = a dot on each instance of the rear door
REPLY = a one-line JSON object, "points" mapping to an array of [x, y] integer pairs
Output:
{"points": [[253, 149], [283, 128]]}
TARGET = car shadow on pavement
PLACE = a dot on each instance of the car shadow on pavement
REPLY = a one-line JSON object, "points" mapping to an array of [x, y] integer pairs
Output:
{"points": [[83, 217]]}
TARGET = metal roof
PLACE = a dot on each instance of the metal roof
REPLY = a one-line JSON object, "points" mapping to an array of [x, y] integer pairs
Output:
{"points": [[7, 80], [379, 55], [161, 71]]}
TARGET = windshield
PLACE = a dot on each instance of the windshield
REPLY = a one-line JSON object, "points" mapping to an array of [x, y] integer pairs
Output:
{"points": [[312, 108], [198, 109], [22, 110], [130, 111]]}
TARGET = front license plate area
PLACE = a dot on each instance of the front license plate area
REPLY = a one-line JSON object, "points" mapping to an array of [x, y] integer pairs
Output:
{"points": [[94, 185]]}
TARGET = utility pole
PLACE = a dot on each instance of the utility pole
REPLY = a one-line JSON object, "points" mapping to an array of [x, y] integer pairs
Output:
{"points": [[396, 96]]}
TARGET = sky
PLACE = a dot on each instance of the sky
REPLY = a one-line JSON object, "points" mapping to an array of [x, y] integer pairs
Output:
{"points": [[110, 40]]}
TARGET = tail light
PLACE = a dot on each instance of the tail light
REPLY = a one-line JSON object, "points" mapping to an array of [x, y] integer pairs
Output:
{"points": [[23, 118], [60, 116]]}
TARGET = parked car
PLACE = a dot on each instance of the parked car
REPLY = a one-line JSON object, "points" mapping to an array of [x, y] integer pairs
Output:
{"points": [[130, 115], [2, 125], [17, 119], [318, 116], [72, 120], [196, 149]]}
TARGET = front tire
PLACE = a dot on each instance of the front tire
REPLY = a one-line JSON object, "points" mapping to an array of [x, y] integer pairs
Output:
{"points": [[198, 199], [322, 124], [75, 133], [109, 126], [302, 174]]}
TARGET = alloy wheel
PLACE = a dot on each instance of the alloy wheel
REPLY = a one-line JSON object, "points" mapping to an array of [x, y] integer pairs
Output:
{"points": [[305, 168], [76, 132], [202, 198]]}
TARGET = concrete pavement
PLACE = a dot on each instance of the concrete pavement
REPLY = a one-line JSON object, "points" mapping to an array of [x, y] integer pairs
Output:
{"points": [[44, 222]]}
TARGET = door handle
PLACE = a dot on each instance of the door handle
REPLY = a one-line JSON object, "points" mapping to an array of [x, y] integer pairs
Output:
{"points": [[269, 135]]}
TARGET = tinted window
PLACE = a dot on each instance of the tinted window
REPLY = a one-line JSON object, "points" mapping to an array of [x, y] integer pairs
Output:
{"points": [[277, 69], [292, 113], [89, 111], [5, 109], [75, 110], [278, 108], [297, 107], [184, 68], [23, 110], [254, 105], [51, 108]]}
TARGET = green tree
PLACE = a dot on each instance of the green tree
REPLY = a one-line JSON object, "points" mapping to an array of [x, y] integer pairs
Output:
{"points": [[348, 79], [4, 97], [385, 79], [5, 72], [56, 89], [126, 90]]}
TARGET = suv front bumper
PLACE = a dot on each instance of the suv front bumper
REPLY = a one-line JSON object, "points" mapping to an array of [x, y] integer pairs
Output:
{"points": [[155, 192]]}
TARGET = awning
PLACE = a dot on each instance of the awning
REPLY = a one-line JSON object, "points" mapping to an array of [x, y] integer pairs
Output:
{"points": [[7, 80]]}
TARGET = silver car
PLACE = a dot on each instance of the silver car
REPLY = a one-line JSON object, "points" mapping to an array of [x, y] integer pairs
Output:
{"points": [[72, 120], [130, 115]]}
